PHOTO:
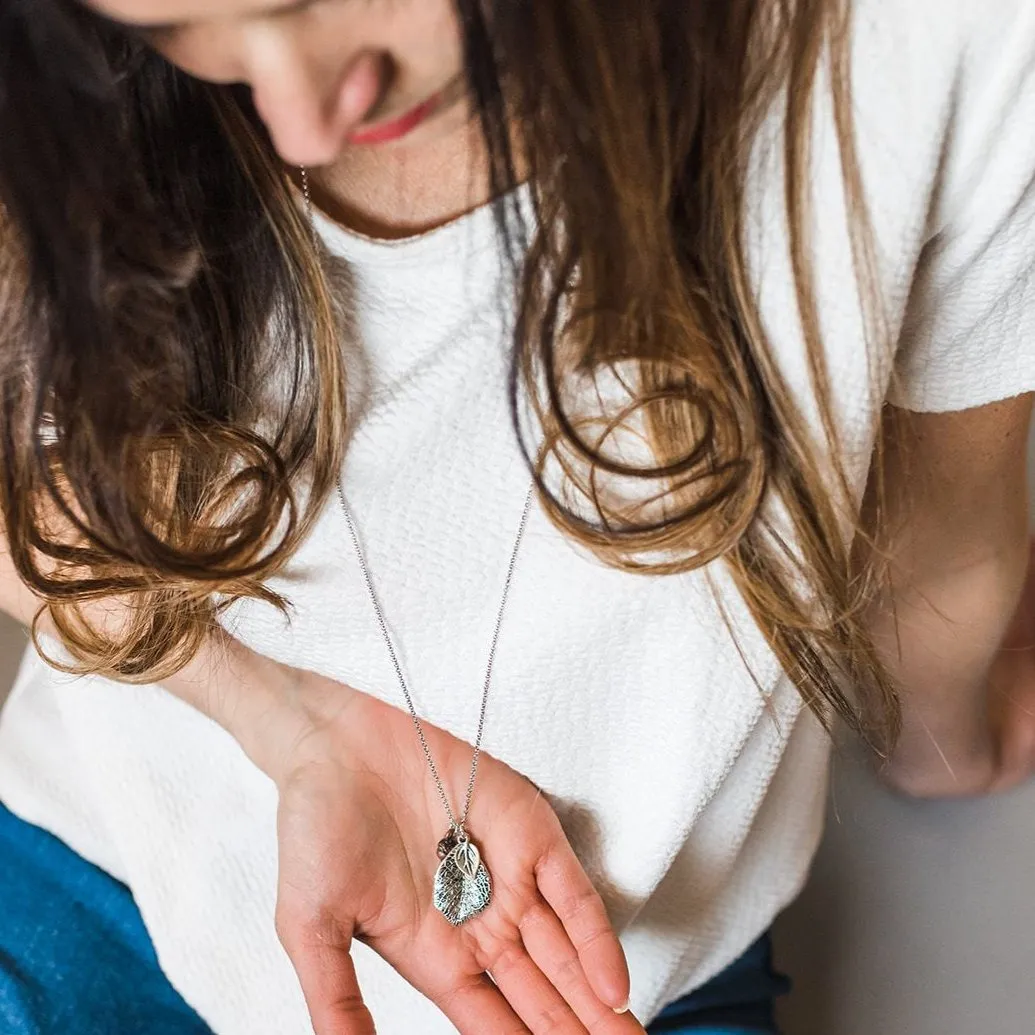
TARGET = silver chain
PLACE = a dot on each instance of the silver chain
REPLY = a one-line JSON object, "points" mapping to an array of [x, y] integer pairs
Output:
{"points": [[304, 174], [457, 825]]}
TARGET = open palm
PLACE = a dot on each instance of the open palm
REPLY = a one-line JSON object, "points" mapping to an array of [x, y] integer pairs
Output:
{"points": [[359, 822]]}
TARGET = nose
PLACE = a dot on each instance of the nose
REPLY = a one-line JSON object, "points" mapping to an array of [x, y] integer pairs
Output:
{"points": [[309, 117]]}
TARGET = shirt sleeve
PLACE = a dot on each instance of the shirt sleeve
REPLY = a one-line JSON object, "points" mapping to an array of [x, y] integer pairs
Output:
{"points": [[969, 333]]}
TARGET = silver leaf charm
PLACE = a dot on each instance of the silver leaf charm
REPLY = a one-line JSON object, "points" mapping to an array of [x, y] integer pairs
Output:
{"points": [[468, 859], [462, 885]]}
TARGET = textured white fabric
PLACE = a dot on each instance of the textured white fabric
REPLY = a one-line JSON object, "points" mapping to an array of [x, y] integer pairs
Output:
{"points": [[695, 803]]}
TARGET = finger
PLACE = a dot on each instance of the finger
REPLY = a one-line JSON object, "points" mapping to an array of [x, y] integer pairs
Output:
{"points": [[565, 886], [323, 962], [552, 951], [477, 1006], [536, 1001]]}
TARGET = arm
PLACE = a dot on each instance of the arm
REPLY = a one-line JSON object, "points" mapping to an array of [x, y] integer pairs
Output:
{"points": [[357, 830], [249, 695], [956, 492]]}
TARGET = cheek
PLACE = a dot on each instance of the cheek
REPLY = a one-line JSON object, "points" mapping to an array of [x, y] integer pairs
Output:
{"points": [[198, 56], [424, 40]]}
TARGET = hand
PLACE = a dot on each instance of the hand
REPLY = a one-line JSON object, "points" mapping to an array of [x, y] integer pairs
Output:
{"points": [[1012, 695], [359, 821], [1000, 755]]}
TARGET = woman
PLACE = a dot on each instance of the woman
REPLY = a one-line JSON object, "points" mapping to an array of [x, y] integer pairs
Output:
{"points": [[681, 280]]}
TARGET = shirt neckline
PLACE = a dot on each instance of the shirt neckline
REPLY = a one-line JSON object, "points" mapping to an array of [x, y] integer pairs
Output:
{"points": [[473, 231]]}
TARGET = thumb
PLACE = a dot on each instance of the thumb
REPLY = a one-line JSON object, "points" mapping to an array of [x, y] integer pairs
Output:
{"points": [[321, 954]]}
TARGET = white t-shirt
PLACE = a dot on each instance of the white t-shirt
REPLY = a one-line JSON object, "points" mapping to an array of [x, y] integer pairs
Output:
{"points": [[694, 800]]}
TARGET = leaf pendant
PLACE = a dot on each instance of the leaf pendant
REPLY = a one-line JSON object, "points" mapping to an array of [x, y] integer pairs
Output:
{"points": [[462, 885]]}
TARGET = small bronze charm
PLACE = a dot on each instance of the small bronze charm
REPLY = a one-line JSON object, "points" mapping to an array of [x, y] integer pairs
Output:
{"points": [[447, 844]]}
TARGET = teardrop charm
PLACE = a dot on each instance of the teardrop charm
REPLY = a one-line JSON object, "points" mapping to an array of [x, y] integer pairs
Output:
{"points": [[463, 887]]}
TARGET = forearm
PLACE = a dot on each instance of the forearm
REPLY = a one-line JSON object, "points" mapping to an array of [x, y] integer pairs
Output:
{"points": [[266, 706]]}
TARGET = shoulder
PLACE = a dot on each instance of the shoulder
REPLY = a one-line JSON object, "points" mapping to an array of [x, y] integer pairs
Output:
{"points": [[937, 87], [954, 32], [962, 64], [944, 96], [950, 106], [952, 53]]}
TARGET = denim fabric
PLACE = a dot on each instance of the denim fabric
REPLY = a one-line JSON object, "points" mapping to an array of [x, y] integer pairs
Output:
{"points": [[76, 959], [738, 1002]]}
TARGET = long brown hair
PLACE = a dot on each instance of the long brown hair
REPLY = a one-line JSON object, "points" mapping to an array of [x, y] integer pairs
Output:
{"points": [[154, 245]]}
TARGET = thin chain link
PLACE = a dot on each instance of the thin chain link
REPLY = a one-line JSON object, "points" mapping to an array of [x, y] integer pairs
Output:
{"points": [[457, 825], [304, 173]]}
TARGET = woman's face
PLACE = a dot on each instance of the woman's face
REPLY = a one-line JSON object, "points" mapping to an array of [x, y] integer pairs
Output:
{"points": [[326, 74]]}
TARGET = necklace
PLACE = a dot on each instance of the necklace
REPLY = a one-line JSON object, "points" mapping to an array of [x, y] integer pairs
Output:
{"points": [[462, 887]]}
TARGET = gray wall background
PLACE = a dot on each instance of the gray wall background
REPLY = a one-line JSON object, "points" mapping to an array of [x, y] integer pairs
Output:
{"points": [[919, 918]]}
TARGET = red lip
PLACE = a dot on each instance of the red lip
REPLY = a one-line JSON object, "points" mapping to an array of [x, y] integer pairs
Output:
{"points": [[397, 128]]}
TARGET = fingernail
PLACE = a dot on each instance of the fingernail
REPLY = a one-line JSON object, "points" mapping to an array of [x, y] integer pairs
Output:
{"points": [[624, 1008]]}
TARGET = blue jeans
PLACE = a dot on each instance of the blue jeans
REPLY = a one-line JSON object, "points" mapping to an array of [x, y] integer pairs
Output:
{"points": [[738, 1002], [76, 959]]}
